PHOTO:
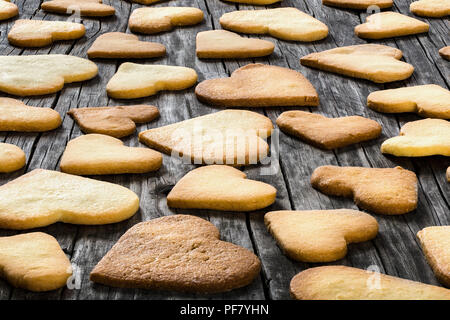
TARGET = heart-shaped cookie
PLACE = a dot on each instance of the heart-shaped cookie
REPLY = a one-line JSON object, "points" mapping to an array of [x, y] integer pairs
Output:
{"points": [[358, 4], [12, 158], [34, 261], [88, 8], [445, 52], [113, 121], [255, 2], [428, 100], [380, 190], [220, 188], [431, 8], [283, 23], [180, 253], [390, 24], [95, 154], [347, 283], [42, 74], [40, 33], [328, 133], [8, 10], [114, 45], [420, 139], [43, 197], [319, 235], [154, 20], [374, 62], [134, 80], [435, 242], [218, 44], [249, 86], [17, 116], [234, 137]]}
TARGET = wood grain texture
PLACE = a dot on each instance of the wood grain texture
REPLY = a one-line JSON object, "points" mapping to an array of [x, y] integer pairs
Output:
{"points": [[395, 250]]}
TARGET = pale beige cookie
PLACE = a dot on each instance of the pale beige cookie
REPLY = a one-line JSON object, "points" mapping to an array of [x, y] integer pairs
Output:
{"points": [[328, 133], [347, 283], [154, 20], [43, 197], [145, 2], [218, 44], [374, 62], [177, 253], [17, 116], [232, 137], [114, 45], [319, 235], [29, 75], [420, 139], [88, 8], [445, 52], [117, 121], [250, 86], [358, 4], [134, 80], [379, 190], [95, 154], [283, 23], [390, 24], [220, 187], [435, 242], [428, 100], [255, 2], [34, 261], [8, 9], [40, 33], [431, 8], [12, 158], [448, 174]]}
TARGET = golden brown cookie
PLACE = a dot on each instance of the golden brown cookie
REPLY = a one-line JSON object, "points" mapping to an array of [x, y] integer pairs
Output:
{"points": [[379, 190], [358, 4], [88, 8], [218, 44], [154, 20], [43, 197], [390, 24], [12, 158], [220, 187], [113, 45], [40, 33], [250, 86], [428, 100], [435, 242], [319, 235], [34, 261], [431, 8], [328, 133], [347, 283], [420, 138], [96, 154], [8, 10], [374, 62], [31, 75], [113, 121], [179, 253], [283, 23], [17, 116], [233, 137], [445, 52], [448, 174]]}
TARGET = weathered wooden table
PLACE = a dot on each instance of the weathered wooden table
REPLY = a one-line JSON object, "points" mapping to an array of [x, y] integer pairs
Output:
{"points": [[394, 251]]}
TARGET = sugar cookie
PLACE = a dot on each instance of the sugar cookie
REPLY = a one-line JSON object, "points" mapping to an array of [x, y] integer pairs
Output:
{"points": [[179, 253], [88, 8], [12, 158], [43, 197], [250, 86], [383, 191], [419, 139], [445, 52], [374, 62], [8, 10], [431, 8], [328, 133], [358, 4]]}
